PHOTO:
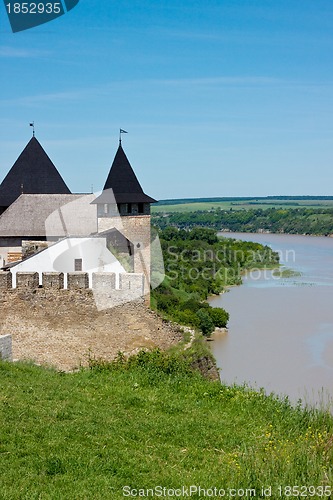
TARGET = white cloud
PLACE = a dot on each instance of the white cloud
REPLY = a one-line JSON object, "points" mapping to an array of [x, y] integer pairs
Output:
{"points": [[104, 90], [222, 80]]}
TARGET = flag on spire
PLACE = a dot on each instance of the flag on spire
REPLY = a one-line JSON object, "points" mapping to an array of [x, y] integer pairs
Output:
{"points": [[121, 131]]}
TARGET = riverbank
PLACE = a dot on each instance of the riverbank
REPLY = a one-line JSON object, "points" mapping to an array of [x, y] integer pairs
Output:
{"points": [[198, 264], [288, 317], [269, 233]]}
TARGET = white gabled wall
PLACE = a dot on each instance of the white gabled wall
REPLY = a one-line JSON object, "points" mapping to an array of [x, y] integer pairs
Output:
{"points": [[60, 257]]}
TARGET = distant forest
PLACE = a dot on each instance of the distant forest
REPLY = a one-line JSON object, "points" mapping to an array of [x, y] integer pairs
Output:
{"points": [[314, 221], [181, 201]]}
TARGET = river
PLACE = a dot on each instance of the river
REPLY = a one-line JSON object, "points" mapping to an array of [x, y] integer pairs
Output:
{"points": [[280, 334]]}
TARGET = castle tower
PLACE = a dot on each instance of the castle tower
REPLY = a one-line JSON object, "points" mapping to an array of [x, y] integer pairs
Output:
{"points": [[123, 206], [32, 173]]}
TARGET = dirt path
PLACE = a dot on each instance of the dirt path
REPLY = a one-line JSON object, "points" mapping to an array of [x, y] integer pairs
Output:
{"points": [[64, 328]]}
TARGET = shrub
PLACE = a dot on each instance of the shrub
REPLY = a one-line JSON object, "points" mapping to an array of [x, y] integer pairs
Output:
{"points": [[206, 322], [219, 316], [187, 317]]}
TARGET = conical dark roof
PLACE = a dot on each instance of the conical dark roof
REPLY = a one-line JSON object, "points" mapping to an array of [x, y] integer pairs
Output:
{"points": [[32, 173], [123, 181]]}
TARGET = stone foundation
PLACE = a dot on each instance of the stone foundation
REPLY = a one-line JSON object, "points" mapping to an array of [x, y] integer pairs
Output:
{"points": [[6, 348]]}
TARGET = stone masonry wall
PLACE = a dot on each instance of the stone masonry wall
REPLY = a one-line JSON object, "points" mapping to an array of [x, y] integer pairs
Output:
{"points": [[131, 288], [53, 280], [31, 247], [137, 230], [104, 281], [105, 291], [27, 280], [6, 348], [5, 280], [77, 281]]}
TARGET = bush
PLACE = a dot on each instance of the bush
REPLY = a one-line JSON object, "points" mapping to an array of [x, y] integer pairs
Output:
{"points": [[187, 317], [166, 303], [206, 322], [194, 305], [219, 316]]}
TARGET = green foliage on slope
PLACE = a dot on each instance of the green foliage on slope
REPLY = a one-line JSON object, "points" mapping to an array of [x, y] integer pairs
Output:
{"points": [[199, 264]]}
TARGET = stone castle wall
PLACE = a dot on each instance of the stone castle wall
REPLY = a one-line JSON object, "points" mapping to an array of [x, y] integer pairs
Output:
{"points": [[137, 230], [106, 293], [5, 280]]}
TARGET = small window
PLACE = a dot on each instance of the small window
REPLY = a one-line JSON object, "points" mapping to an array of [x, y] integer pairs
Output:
{"points": [[106, 208], [78, 264], [129, 208], [140, 208]]}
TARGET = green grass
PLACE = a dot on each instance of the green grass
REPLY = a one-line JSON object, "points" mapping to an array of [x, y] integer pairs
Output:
{"points": [[240, 204], [151, 422], [190, 207]]}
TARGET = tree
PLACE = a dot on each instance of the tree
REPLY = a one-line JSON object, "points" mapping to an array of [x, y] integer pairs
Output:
{"points": [[219, 316], [205, 322]]}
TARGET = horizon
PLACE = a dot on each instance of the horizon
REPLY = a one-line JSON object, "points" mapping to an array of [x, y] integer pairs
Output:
{"points": [[268, 197]]}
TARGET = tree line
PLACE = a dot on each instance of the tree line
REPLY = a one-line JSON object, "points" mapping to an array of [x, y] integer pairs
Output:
{"points": [[275, 220], [198, 264]]}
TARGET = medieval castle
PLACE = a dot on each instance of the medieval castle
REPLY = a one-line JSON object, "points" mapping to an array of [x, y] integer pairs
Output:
{"points": [[50, 237]]}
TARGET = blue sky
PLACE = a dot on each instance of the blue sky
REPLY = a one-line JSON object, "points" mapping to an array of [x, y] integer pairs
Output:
{"points": [[220, 97]]}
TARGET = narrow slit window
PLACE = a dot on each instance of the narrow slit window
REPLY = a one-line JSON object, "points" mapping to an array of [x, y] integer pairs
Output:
{"points": [[78, 264]]}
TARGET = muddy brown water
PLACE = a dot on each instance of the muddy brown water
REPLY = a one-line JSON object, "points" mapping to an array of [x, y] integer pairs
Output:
{"points": [[281, 328]]}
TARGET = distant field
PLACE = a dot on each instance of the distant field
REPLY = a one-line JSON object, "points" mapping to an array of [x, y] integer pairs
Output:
{"points": [[171, 206]]}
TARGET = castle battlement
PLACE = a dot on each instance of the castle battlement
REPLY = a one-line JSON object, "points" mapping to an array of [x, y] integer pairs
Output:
{"points": [[130, 283], [104, 285]]}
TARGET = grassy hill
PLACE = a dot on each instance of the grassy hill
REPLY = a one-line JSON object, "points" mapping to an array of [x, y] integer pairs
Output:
{"points": [[147, 423]]}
